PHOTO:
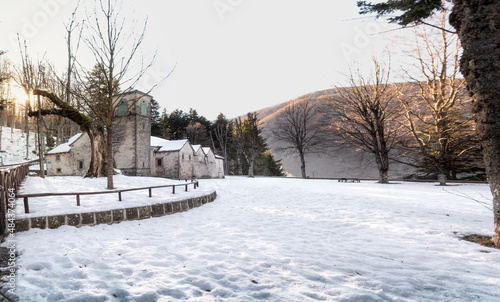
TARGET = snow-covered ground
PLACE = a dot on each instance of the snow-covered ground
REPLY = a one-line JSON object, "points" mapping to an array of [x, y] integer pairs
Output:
{"points": [[275, 239], [14, 145], [47, 206]]}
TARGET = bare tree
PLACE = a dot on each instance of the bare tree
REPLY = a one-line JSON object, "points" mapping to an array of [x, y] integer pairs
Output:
{"points": [[31, 76], [4, 76], [96, 108], [434, 107], [363, 116], [114, 51], [296, 126], [222, 130]]}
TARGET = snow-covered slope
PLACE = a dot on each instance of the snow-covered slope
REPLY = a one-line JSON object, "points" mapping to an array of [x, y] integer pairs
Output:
{"points": [[277, 239], [13, 148]]}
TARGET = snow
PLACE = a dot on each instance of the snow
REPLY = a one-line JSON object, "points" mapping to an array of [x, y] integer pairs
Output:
{"points": [[14, 146], [167, 145], [196, 148], [66, 147], [206, 150], [48, 206], [276, 239]]}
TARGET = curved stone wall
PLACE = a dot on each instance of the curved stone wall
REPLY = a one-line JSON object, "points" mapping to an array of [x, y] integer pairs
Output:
{"points": [[113, 216]]}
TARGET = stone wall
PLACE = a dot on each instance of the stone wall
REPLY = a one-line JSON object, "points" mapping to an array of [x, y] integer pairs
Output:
{"points": [[186, 159], [113, 216]]}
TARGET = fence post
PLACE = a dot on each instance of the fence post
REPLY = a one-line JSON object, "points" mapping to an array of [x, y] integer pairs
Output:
{"points": [[173, 189], [26, 205], [150, 192], [119, 195], [186, 188], [77, 199]]}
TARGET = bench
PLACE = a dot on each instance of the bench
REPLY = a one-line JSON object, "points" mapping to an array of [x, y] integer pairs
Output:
{"points": [[349, 180]]}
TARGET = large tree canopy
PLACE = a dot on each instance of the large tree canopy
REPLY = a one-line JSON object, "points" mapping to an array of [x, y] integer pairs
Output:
{"points": [[413, 11]]}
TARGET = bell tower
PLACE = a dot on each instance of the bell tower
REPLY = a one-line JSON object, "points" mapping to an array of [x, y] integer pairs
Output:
{"points": [[132, 133]]}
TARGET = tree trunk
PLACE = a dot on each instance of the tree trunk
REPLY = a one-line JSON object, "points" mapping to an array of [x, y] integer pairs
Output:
{"points": [[27, 130], [382, 160], [97, 167], [442, 178], [41, 137], [109, 157], [302, 164], [238, 162], [383, 176], [250, 168], [478, 27]]}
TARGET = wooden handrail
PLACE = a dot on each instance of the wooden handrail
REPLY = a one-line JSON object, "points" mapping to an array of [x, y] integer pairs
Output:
{"points": [[78, 194], [10, 179]]}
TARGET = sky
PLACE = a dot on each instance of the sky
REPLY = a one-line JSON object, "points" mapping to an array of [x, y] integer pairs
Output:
{"points": [[230, 56]]}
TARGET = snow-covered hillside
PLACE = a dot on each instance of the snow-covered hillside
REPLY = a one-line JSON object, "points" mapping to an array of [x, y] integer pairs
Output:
{"points": [[13, 148], [277, 239]]}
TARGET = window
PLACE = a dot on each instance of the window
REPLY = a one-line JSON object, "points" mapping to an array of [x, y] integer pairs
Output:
{"points": [[189, 157], [58, 157], [159, 162], [122, 108], [58, 170], [182, 156], [144, 108], [80, 164]]}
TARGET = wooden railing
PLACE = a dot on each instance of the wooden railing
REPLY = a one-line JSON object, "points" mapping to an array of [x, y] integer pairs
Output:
{"points": [[10, 180], [119, 192]]}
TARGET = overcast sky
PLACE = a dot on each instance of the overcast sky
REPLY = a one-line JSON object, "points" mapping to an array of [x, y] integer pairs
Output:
{"points": [[231, 56]]}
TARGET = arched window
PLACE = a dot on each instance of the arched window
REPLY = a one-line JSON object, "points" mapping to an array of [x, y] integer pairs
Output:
{"points": [[144, 108], [122, 108]]}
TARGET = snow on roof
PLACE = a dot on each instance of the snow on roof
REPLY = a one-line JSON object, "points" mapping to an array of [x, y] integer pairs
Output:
{"points": [[206, 150], [218, 156], [66, 147], [167, 145], [196, 148]]}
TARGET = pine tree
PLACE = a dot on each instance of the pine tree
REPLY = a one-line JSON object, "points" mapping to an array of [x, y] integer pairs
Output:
{"points": [[155, 118]]}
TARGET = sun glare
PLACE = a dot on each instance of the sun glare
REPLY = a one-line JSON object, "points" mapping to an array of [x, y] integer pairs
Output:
{"points": [[18, 94]]}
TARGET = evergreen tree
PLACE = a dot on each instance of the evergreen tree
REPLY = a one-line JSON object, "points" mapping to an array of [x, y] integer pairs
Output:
{"points": [[155, 119], [271, 166], [174, 125]]}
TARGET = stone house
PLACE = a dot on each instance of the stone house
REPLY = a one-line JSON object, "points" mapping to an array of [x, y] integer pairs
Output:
{"points": [[219, 166], [71, 158], [200, 167], [207, 163], [171, 159]]}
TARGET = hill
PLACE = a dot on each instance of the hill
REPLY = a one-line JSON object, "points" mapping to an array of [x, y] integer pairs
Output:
{"points": [[331, 163]]}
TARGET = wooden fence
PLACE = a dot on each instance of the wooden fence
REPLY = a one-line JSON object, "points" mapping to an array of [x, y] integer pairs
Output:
{"points": [[10, 180], [119, 192]]}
